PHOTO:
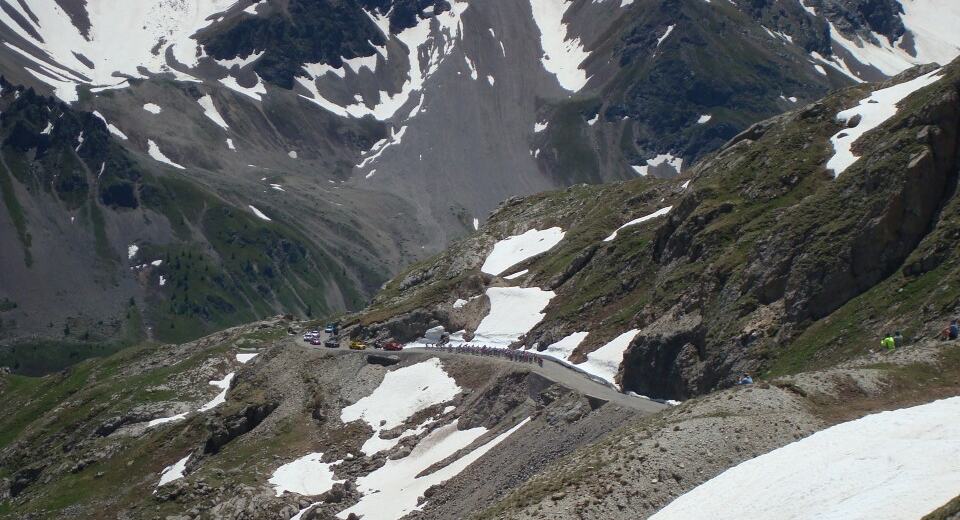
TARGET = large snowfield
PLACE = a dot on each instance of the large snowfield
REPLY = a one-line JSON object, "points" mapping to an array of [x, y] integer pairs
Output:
{"points": [[897, 465]]}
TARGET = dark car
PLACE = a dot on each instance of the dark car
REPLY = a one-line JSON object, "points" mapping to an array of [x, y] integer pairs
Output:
{"points": [[392, 346], [332, 343], [332, 328]]}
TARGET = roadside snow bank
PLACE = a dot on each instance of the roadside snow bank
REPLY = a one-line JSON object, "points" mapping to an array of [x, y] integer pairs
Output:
{"points": [[513, 250], [605, 361], [513, 312], [890, 465]]}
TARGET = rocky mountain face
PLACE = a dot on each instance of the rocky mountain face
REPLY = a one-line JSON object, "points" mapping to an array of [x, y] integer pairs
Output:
{"points": [[797, 244], [378, 131]]}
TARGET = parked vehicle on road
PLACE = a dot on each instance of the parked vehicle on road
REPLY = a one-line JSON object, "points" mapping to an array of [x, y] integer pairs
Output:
{"points": [[392, 346], [332, 343], [332, 328], [316, 341], [358, 345]]}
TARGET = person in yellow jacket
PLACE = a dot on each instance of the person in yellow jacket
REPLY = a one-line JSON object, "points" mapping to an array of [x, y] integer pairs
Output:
{"points": [[888, 342]]}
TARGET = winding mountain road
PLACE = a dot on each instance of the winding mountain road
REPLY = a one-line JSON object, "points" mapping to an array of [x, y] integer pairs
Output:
{"points": [[552, 370]]}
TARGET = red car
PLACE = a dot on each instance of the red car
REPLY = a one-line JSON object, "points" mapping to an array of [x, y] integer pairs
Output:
{"points": [[392, 346], [316, 341]]}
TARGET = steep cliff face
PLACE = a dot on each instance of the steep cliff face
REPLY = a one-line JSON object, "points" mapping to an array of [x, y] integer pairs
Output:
{"points": [[796, 244]]}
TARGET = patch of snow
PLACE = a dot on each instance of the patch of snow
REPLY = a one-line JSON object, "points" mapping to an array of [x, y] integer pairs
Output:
{"points": [[259, 213], [476, 224], [243, 357], [665, 35], [402, 393], [154, 151], [209, 110], [393, 490], [460, 303], [163, 281], [820, 69], [491, 80], [873, 110], [659, 213], [132, 251], [174, 471], [704, 118], [539, 127], [152, 108], [305, 476], [240, 61], [156, 263], [641, 170], [605, 361], [277, 187], [110, 127], [513, 312], [47, 129], [292, 154], [685, 185], [889, 465], [164, 420], [230, 144], [563, 349], [223, 385], [516, 275], [562, 53], [594, 119], [431, 45], [471, 66], [256, 92], [513, 250]]}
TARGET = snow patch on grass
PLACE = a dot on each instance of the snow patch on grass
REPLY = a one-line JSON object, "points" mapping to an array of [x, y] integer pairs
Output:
{"points": [[659, 213], [513, 250], [259, 213], [173, 472], [873, 110], [158, 156], [209, 110], [223, 385], [244, 357], [153, 108]]}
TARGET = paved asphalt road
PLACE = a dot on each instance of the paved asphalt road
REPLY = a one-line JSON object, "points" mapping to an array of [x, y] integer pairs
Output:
{"points": [[551, 369]]}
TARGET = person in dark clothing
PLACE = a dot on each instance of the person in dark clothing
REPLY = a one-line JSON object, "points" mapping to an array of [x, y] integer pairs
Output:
{"points": [[897, 339]]}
